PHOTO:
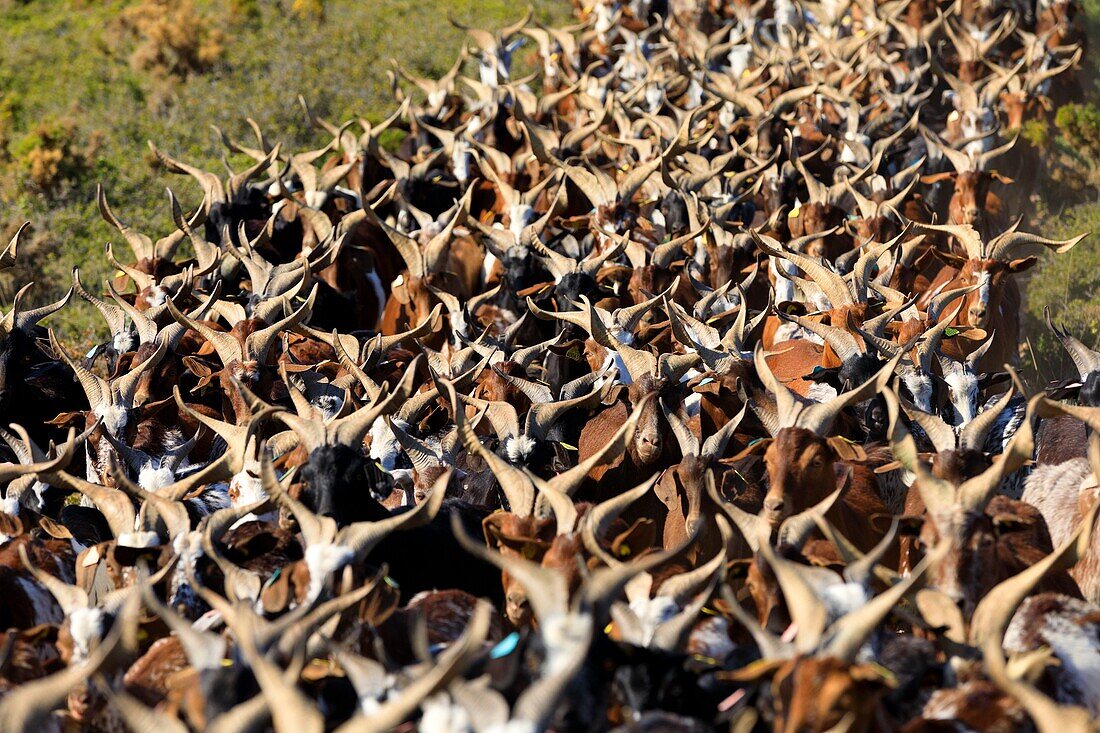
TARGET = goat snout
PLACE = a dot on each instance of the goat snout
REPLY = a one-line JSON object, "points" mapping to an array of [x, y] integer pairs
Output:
{"points": [[649, 447], [976, 315], [516, 608]]}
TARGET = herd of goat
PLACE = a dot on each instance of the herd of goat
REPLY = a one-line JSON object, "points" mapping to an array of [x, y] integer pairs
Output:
{"points": [[668, 388]]}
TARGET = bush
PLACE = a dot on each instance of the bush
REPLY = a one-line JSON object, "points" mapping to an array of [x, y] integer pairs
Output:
{"points": [[1068, 284], [50, 157], [173, 42]]}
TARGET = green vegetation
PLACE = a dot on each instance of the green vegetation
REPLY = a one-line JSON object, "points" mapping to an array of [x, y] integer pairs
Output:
{"points": [[84, 84], [1069, 284]]}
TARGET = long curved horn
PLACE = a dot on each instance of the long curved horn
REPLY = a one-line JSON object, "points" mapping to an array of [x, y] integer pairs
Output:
{"points": [[1001, 247], [600, 517], [849, 633], [361, 537], [832, 284], [569, 481], [819, 417], [1085, 359]]}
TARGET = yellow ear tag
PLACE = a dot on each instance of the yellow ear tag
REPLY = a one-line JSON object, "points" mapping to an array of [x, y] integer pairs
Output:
{"points": [[953, 117], [793, 213]]}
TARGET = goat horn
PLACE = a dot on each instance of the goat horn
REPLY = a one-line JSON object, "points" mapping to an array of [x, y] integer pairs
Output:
{"points": [[819, 417], [786, 402], [361, 537], [806, 609], [569, 481], [600, 517], [1001, 247], [1085, 359], [29, 706], [851, 630], [833, 285], [974, 433], [842, 341], [966, 235]]}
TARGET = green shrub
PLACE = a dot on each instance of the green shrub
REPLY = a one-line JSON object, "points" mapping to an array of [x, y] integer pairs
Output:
{"points": [[172, 42], [1068, 284], [50, 157], [1080, 125], [1037, 132]]}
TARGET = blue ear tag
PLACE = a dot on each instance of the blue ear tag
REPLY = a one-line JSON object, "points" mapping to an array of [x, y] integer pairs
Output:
{"points": [[274, 577], [506, 646], [755, 442]]}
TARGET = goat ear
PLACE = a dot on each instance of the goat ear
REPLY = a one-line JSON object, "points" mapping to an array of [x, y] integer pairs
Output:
{"points": [[197, 367], [793, 308], [756, 671], [10, 526], [400, 293], [150, 409], [248, 545], [54, 529], [937, 177], [275, 596], [738, 568], [823, 375], [872, 673], [639, 537], [846, 450], [987, 380], [909, 525], [950, 258], [1005, 523], [1064, 390], [495, 533], [1024, 263], [128, 557], [755, 448], [377, 607], [66, 418], [1000, 178]]}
